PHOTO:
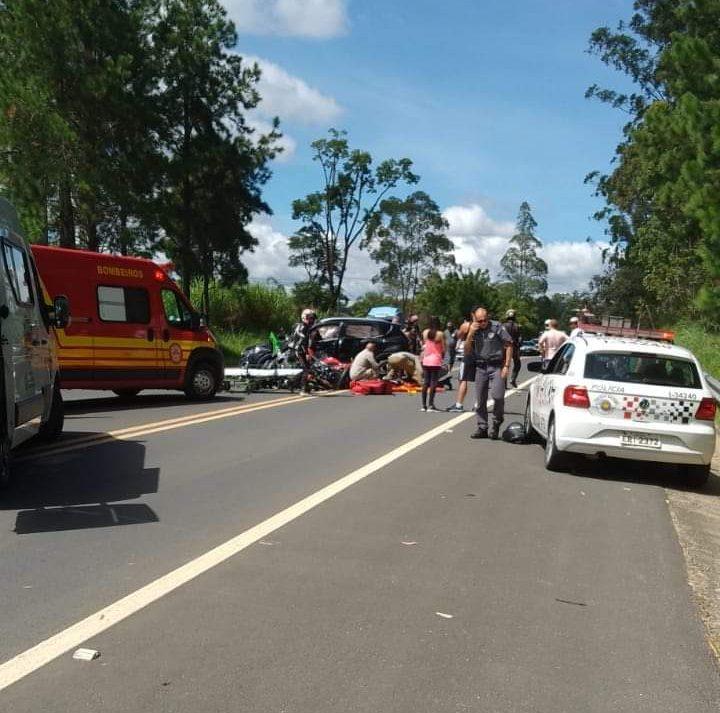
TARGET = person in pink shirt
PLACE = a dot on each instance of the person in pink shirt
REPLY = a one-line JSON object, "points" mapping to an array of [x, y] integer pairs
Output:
{"points": [[433, 352], [550, 341]]}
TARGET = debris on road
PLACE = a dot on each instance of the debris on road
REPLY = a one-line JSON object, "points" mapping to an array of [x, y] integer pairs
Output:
{"points": [[86, 655], [409, 543], [443, 615]]}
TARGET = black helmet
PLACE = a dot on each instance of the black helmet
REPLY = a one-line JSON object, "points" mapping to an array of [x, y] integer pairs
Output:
{"points": [[514, 433]]}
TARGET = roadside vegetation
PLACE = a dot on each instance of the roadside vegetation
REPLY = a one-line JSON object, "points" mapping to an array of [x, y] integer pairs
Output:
{"points": [[703, 344]]}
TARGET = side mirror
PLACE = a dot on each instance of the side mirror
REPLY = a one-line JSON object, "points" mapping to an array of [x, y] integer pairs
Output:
{"points": [[536, 367], [60, 316], [196, 321]]}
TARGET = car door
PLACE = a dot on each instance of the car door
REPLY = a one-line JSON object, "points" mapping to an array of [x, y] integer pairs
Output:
{"points": [[25, 335], [125, 345], [177, 334], [325, 339], [546, 387]]}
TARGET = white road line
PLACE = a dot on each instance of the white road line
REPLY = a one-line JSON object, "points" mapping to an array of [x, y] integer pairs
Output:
{"points": [[46, 651]]}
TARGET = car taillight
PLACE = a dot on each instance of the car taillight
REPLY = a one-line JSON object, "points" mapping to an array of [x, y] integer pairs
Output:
{"points": [[706, 410], [576, 396]]}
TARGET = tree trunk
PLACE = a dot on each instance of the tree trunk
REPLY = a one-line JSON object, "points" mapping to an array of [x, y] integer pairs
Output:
{"points": [[67, 216], [206, 294], [92, 236]]}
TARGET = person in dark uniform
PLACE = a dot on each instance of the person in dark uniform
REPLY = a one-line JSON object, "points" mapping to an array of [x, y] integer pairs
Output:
{"points": [[512, 328], [303, 342], [412, 332], [488, 352]]}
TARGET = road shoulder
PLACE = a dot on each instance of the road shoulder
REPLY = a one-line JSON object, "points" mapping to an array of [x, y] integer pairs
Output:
{"points": [[696, 516]]}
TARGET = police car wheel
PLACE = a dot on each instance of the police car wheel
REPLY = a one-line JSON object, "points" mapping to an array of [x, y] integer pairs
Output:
{"points": [[531, 435], [695, 476], [202, 383], [555, 460]]}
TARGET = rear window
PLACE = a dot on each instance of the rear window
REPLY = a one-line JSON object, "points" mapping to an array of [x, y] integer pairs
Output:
{"points": [[634, 368], [123, 304]]}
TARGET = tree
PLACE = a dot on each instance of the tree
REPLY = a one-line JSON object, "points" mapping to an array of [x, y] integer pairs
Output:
{"points": [[407, 238], [214, 165], [335, 217], [72, 95], [655, 206], [521, 265], [452, 296]]}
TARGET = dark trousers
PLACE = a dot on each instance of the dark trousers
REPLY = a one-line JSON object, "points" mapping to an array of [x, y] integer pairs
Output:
{"points": [[516, 364], [488, 380]]}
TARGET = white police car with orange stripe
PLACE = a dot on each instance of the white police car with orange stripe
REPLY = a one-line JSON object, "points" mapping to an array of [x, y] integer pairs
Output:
{"points": [[625, 398]]}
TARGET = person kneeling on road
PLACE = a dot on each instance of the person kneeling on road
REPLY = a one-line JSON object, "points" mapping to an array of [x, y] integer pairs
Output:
{"points": [[404, 365], [364, 365], [488, 351]]}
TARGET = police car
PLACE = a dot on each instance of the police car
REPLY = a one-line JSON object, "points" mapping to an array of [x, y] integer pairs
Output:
{"points": [[625, 398]]}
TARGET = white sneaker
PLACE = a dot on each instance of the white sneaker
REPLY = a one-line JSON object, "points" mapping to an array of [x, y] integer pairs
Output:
{"points": [[423, 409]]}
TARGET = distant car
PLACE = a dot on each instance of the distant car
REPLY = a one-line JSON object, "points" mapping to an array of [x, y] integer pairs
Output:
{"points": [[384, 312], [529, 348], [344, 337], [626, 398]]}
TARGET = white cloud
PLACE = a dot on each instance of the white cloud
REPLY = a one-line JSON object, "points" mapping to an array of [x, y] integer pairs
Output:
{"points": [[269, 260], [473, 220], [571, 265], [300, 18], [481, 241], [291, 98]]}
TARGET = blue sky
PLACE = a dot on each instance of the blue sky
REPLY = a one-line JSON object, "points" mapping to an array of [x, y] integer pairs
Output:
{"points": [[486, 97]]}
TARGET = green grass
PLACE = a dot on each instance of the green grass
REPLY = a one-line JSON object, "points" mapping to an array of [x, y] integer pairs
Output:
{"points": [[233, 343], [704, 345]]}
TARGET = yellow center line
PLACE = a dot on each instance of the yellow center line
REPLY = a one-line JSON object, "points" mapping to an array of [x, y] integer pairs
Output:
{"points": [[160, 426]]}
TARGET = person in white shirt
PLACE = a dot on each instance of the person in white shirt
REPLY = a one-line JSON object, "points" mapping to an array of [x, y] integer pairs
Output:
{"points": [[364, 365], [574, 327], [551, 340]]}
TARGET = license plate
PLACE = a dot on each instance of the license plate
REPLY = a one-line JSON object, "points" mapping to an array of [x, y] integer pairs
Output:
{"points": [[640, 440]]}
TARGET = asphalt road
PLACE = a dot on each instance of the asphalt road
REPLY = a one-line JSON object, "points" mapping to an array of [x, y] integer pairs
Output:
{"points": [[457, 576]]}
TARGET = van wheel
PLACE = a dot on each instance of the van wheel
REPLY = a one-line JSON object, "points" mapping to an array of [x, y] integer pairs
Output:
{"points": [[695, 476], [126, 393], [555, 460], [4, 464], [52, 428], [202, 382]]}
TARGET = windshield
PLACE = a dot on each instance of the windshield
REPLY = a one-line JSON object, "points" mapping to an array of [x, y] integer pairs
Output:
{"points": [[634, 368]]}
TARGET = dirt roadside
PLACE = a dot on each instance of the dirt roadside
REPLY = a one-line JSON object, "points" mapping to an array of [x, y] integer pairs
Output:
{"points": [[696, 516]]}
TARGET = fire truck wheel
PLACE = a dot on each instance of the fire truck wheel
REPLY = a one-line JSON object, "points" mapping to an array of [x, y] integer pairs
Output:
{"points": [[52, 428], [202, 382], [126, 393]]}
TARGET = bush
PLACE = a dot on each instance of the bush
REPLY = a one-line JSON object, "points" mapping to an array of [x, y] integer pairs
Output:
{"points": [[253, 308], [703, 344]]}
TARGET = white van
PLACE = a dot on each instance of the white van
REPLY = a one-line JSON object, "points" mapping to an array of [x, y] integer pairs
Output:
{"points": [[29, 385]]}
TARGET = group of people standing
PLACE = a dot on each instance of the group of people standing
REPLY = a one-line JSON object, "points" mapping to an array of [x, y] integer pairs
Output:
{"points": [[490, 357]]}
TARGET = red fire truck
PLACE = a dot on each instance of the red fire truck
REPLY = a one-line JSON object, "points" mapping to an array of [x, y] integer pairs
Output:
{"points": [[131, 329]]}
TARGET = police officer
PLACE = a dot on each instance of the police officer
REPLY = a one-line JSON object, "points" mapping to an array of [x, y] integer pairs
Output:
{"points": [[303, 341], [512, 328], [488, 349]]}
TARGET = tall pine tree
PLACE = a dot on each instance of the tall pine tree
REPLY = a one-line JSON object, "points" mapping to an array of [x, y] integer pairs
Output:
{"points": [[522, 267]]}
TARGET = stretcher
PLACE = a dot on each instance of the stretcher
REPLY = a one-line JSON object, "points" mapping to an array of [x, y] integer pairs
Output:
{"points": [[249, 379]]}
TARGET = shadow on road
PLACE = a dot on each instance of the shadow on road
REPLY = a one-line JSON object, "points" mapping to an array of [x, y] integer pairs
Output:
{"points": [[103, 404], [664, 475], [82, 489]]}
